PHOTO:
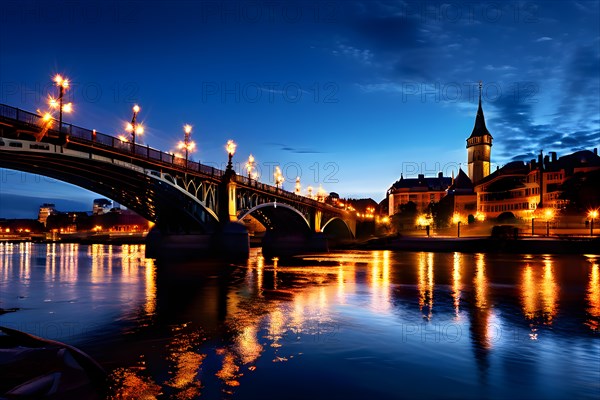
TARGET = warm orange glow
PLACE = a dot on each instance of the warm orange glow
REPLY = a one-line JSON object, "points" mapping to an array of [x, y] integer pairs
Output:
{"points": [[593, 214], [47, 117], [68, 107], [456, 283], [52, 102], [548, 214], [539, 295], [425, 283], [60, 81], [593, 296], [279, 179], [123, 139], [136, 109], [385, 220], [549, 291], [139, 129], [230, 147], [528, 293], [129, 127], [479, 216], [424, 220], [187, 129], [456, 218], [480, 282], [250, 164]]}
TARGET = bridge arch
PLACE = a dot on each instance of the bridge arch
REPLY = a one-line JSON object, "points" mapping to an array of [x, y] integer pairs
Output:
{"points": [[139, 189], [337, 228], [279, 217]]}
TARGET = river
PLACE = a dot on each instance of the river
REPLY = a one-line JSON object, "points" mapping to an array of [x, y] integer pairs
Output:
{"points": [[351, 324]]}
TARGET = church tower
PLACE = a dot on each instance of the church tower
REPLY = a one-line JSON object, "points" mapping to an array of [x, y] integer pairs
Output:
{"points": [[479, 147]]}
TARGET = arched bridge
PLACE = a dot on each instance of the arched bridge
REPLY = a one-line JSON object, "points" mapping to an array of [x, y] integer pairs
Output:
{"points": [[179, 197]]}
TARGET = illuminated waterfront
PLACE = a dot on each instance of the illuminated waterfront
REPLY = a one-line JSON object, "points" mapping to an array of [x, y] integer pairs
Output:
{"points": [[374, 324]]}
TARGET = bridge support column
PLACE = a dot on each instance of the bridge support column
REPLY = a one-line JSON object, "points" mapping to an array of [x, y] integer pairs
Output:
{"points": [[231, 241], [227, 198], [315, 220]]}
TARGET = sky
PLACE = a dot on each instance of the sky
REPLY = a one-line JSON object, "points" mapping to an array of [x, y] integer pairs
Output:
{"points": [[346, 94]]}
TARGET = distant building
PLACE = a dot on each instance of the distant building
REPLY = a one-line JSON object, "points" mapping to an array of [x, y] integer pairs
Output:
{"points": [[46, 210], [421, 191], [101, 206]]}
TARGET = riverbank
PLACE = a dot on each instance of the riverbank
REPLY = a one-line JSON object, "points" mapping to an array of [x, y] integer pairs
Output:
{"points": [[83, 238], [562, 245]]}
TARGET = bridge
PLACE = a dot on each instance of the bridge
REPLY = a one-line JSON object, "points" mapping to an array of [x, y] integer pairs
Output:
{"points": [[191, 204]]}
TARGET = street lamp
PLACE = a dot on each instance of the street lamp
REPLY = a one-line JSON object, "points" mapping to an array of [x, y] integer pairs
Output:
{"points": [[187, 144], [230, 147], [278, 177], [592, 215], [548, 215], [250, 166], [63, 85], [133, 127], [532, 225], [298, 188], [457, 220]]}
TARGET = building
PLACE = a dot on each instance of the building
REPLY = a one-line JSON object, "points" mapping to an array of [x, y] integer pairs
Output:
{"points": [[522, 188], [46, 210], [461, 194], [101, 206], [421, 191], [479, 147], [518, 187]]}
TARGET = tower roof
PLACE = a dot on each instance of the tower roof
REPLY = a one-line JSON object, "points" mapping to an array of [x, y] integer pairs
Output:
{"points": [[479, 129], [461, 183]]}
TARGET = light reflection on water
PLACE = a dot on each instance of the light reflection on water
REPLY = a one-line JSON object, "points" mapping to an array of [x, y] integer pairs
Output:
{"points": [[355, 324]]}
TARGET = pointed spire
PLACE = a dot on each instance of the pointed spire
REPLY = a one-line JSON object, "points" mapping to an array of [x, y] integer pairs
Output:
{"points": [[480, 129], [453, 177]]}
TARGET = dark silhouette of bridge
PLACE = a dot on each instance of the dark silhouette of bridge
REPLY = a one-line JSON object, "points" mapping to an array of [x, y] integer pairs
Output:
{"points": [[183, 198]]}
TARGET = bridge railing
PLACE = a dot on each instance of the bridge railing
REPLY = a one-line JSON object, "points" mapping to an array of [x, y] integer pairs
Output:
{"points": [[114, 143], [146, 152]]}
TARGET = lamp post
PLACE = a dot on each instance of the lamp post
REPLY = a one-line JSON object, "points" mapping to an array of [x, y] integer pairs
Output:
{"points": [[187, 144], [63, 85], [278, 177], [230, 147], [532, 225], [592, 215], [457, 220], [250, 166], [133, 127]]}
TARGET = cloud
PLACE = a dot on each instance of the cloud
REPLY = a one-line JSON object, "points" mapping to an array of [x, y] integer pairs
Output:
{"points": [[544, 39], [365, 56], [295, 150], [490, 67]]}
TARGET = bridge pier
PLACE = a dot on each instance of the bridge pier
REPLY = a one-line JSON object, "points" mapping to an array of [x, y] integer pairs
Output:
{"points": [[230, 243], [284, 244]]}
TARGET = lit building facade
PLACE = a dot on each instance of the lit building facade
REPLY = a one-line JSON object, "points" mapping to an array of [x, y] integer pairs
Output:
{"points": [[421, 191], [521, 188], [518, 187]]}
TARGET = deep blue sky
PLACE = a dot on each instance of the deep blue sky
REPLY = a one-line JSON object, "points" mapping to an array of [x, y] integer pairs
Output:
{"points": [[346, 94]]}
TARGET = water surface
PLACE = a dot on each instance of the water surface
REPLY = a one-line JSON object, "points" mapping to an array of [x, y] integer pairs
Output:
{"points": [[357, 324]]}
